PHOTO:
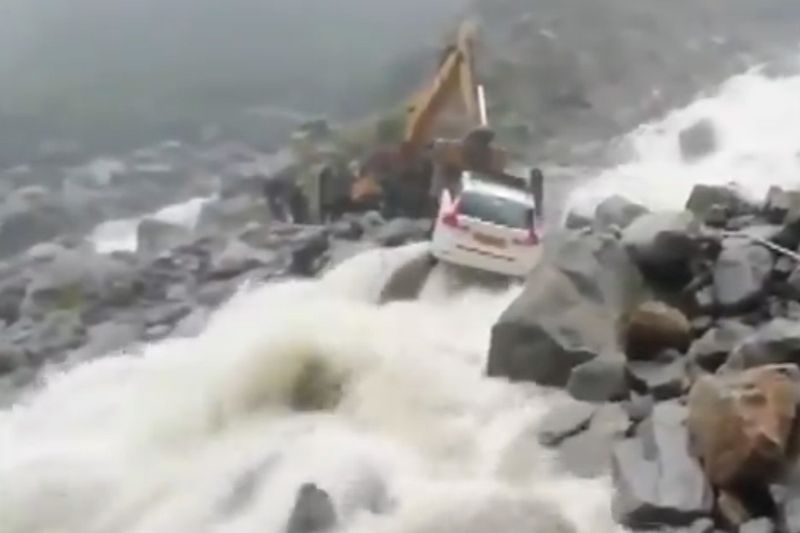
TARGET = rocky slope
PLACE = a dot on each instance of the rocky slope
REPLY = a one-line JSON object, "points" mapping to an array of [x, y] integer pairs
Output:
{"points": [[676, 334], [565, 76], [63, 303]]}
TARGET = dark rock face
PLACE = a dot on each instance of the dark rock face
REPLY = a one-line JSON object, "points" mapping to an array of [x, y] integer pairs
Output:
{"points": [[567, 314], [313, 511], [657, 482], [662, 244], [407, 281], [707, 200], [698, 140]]}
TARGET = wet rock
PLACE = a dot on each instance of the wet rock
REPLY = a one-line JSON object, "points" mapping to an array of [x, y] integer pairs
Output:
{"points": [[663, 378], [75, 280], [710, 351], [740, 274], [406, 282], [789, 508], [704, 199], [54, 335], [237, 257], [794, 282], [741, 423], [192, 324], [657, 482], [400, 231], [12, 293], [600, 380], [564, 421], [698, 140], [11, 358], [586, 453], [568, 311], [577, 221], [639, 407], [32, 215], [654, 327], [347, 229], [662, 244], [616, 211], [155, 236], [776, 342], [313, 511], [230, 214], [308, 252], [106, 338], [780, 203], [759, 525]]}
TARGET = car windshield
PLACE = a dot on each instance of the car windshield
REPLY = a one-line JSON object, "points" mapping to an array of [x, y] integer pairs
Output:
{"points": [[497, 210]]}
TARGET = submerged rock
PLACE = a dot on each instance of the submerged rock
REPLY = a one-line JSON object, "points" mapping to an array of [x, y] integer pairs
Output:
{"points": [[698, 140], [313, 511]]}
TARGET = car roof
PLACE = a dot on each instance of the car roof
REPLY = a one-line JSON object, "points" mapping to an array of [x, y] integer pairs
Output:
{"points": [[474, 183]]}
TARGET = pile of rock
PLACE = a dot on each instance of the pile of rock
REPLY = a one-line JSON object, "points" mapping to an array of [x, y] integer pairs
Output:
{"points": [[61, 302], [683, 328]]}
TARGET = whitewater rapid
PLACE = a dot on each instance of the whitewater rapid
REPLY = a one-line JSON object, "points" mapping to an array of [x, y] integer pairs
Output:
{"points": [[384, 407], [396, 415], [757, 123]]}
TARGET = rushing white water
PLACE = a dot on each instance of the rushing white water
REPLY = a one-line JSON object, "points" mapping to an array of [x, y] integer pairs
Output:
{"points": [[757, 124], [156, 442], [397, 417], [120, 235]]}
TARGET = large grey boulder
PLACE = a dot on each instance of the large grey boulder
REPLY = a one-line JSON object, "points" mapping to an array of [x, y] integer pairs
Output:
{"points": [[569, 311]]}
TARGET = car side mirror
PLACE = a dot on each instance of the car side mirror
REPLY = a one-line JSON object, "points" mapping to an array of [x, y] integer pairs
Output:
{"points": [[537, 189]]}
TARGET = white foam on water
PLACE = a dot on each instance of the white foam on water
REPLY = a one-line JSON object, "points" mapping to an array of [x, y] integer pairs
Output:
{"points": [[120, 235], [757, 123], [157, 442]]}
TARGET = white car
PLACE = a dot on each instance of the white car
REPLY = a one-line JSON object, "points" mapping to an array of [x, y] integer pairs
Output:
{"points": [[487, 225]]}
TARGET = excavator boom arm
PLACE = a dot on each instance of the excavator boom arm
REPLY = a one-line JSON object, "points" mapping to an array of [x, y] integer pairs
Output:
{"points": [[456, 74]]}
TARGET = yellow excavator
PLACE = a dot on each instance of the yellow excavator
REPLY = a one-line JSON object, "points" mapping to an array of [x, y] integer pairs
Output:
{"points": [[408, 176]]}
